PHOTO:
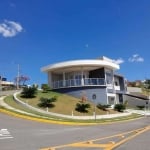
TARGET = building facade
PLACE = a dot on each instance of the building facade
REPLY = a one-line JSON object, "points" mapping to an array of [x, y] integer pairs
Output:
{"points": [[4, 84], [94, 80]]}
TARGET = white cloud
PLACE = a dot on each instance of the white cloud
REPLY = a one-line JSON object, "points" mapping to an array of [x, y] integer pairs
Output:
{"points": [[10, 28], [136, 58], [118, 61]]}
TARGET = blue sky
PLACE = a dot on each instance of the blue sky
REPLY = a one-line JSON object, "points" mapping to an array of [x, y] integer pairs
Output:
{"points": [[35, 33]]}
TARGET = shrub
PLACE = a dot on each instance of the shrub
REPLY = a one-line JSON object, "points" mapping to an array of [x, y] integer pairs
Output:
{"points": [[120, 107], [47, 102], [45, 87], [29, 92], [81, 107], [141, 107], [103, 107]]}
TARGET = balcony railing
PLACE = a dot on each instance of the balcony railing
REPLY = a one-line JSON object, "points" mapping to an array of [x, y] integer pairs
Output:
{"points": [[117, 88], [79, 82]]}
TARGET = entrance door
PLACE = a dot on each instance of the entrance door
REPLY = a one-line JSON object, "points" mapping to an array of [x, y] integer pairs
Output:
{"points": [[111, 100], [120, 98]]}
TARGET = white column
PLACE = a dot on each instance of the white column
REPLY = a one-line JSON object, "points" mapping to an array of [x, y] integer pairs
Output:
{"points": [[64, 79], [106, 81], [82, 79], [107, 96], [113, 82], [50, 83]]}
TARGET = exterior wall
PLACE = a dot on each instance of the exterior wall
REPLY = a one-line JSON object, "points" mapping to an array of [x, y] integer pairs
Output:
{"points": [[101, 96], [117, 98], [110, 89]]}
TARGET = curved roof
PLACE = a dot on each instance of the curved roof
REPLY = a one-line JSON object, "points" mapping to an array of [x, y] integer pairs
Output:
{"points": [[89, 63]]}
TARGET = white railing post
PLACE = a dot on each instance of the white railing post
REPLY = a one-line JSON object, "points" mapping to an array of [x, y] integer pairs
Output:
{"points": [[79, 82]]}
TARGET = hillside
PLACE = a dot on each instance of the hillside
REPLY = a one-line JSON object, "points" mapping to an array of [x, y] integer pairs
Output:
{"points": [[65, 104]]}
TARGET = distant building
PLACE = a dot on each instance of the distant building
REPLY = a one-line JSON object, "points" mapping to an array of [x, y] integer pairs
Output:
{"points": [[136, 83], [4, 83], [94, 79]]}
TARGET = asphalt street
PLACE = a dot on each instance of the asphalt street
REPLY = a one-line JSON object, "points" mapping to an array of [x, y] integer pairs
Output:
{"points": [[21, 134]]}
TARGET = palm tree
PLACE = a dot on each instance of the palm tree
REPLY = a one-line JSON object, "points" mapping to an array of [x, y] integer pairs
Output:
{"points": [[47, 102], [81, 107]]}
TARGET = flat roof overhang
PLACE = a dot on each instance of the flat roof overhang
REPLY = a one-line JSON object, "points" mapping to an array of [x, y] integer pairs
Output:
{"points": [[76, 65]]}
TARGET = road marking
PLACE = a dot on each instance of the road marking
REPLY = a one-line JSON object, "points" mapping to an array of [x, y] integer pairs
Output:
{"points": [[5, 134], [105, 143], [137, 132]]}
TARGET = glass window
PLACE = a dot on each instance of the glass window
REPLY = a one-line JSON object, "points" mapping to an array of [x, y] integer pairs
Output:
{"points": [[109, 78]]}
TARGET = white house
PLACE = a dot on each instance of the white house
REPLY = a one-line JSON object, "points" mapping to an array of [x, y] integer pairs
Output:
{"points": [[94, 79]]}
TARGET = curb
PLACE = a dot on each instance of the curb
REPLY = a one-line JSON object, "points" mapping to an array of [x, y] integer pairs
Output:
{"points": [[32, 118], [41, 119], [67, 122]]}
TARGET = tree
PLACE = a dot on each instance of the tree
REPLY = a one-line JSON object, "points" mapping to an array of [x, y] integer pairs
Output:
{"points": [[21, 79], [45, 87], [146, 87], [47, 102], [81, 107], [29, 92]]}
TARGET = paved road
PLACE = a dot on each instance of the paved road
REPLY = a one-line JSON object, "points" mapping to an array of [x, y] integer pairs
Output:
{"points": [[7, 92], [30, 135]]}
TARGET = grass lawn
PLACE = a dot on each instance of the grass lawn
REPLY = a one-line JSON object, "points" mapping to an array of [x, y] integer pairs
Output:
{"points": [[65, 104], [61, 106]]}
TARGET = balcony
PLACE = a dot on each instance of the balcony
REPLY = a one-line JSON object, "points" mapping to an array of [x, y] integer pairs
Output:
{"points": [[117, 88], [79, 82]]}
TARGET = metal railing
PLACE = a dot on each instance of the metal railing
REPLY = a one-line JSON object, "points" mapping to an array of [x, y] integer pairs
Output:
{"points": [[79, 82]]}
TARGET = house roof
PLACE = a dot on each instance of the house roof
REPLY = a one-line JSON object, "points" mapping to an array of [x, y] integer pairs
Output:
{"points": [[87, 64]]}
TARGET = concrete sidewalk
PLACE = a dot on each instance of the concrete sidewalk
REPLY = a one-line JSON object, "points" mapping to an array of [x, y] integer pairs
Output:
{"points": [[3, 104], [141, 112]]}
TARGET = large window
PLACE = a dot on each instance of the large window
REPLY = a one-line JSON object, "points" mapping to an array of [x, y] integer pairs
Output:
{"points": [[109, 77], [79, 76]]}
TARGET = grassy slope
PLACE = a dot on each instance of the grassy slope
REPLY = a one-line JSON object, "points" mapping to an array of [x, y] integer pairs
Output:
{"points": [[65, 104]]}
